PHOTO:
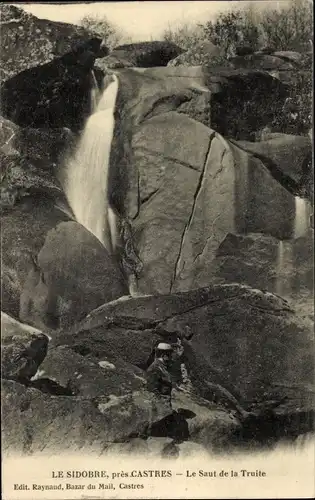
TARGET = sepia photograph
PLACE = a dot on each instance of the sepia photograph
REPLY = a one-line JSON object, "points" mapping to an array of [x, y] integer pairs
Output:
{"points": [[157, 243]]}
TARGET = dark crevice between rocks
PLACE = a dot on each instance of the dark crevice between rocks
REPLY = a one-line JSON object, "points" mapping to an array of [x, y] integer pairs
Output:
{"points": [[268, 428], [44, 385], [51, 387], [166, 104], [148, 197]]}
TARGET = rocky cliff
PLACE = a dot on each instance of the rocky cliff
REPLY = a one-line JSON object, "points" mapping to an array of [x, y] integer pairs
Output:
{"points": [[212, 214]]}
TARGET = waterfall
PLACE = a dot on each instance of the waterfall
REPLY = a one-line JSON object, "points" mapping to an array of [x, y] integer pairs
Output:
{"points": [[284, 267], [301, 221], [95, 93], [87, 169]]}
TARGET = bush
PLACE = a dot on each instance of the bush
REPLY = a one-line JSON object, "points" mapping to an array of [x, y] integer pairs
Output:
{"points": [[187, 36], [290, 28], [111, 34], [287, 28], [233, 30]]}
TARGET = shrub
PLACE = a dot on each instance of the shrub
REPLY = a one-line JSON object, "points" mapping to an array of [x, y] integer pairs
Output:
{"points": [[111, 34]]}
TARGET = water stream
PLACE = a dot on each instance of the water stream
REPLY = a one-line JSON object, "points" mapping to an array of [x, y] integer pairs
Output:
{"points": [[285, 256], [301, 221], [95, 93], [87, 169]]}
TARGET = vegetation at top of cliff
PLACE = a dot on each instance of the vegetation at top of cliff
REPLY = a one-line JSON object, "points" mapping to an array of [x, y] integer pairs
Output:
{"points": [[249, 29], [111, 34]]}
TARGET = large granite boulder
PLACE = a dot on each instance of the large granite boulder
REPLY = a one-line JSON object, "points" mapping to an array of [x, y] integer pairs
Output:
{"points": [[32, 200], [27, 41], [55, 94], [23, 349], [290, 154], [245, 100], [88, 376], [76, 274], [167, 163], [147, 54], [24, 228], [235, 336], [264, 262], [93, 425]]}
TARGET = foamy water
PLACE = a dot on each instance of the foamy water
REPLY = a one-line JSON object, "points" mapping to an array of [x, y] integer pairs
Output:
{"points": [[284, 267], [285, 258], [301, 222], [95, 93], [87, 170]]}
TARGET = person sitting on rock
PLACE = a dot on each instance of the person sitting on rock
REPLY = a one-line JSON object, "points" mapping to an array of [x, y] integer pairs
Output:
{"points": [[159, 383]]}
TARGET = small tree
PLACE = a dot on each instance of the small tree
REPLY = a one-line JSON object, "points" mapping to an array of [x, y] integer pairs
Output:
{"points": [[111, 34], [290, 28], [233, 29], [186, 36]]}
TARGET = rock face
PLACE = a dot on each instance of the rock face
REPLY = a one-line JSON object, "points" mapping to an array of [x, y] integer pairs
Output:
{"points": [[229, 324], [24, 230], [32, 200], [23, 349], [27, 41], [76, 273], [162, 176], [146, 54], [253, 98], [56, 94]]}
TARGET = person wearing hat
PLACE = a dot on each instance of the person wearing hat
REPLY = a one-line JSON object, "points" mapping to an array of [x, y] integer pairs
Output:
{"points": [[159, 383]]}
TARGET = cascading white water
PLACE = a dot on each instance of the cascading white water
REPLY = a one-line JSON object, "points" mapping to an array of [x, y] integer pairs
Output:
{"points": [[285, 258], [95, 93], [87, 170], [301, 222], [285, 264]]}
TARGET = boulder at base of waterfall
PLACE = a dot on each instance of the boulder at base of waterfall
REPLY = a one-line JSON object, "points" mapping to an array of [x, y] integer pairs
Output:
{"points": [[207, 424], [74, 423], [243, 339], [79, 275], [147, 54], [10, 291], [27, 41], [90, 377], [94, 425], [24, 228], [44, 148], [20, 179], [253, 260], [23, 349]]}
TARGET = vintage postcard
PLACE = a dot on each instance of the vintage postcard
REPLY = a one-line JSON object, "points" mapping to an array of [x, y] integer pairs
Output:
{"points": [[157, 250]]}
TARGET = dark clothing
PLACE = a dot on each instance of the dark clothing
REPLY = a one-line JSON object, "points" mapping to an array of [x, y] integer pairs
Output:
{"points": [[159, 379], [159, 384]]}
